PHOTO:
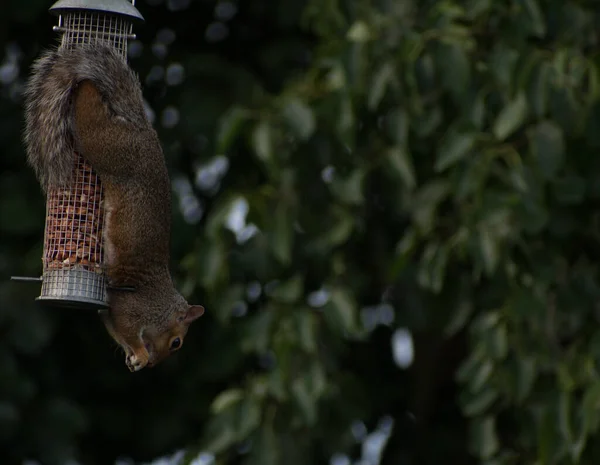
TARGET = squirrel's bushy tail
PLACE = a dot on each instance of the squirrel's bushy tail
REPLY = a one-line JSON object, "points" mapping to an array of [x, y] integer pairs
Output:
{"points": [[49, 128]]}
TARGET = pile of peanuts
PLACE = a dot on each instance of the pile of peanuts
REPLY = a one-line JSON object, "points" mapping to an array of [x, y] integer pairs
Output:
{"points": [[74, 222]]}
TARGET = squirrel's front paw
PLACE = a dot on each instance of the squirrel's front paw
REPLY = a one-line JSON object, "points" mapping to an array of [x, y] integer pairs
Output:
{"points": [[135, 362]]}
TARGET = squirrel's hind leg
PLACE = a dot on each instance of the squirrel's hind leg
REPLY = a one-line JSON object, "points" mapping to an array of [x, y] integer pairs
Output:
{"points": [[106, 142]]}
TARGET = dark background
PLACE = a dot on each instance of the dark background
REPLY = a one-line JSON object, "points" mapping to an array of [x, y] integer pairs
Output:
{"points": [[421, 179]]}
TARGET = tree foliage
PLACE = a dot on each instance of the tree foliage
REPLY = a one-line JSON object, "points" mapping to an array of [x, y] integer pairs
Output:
{"points": [[343, 170]]}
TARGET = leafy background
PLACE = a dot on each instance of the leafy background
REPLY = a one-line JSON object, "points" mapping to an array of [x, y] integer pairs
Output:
{"points": [[389, 209]]}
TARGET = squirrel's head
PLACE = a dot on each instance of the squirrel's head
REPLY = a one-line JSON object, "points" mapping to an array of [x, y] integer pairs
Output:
{"points": [[162, 341], [167, 337], [146, 330]]}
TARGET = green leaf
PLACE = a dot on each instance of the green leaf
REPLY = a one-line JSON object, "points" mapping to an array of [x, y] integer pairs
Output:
{"points": [[218, 215], [449, 11], [476, 111], [564, 417], [476, 8], [341, 230], [212, 257], [548, 147], [289, 291], [248, 417], [346, 122], [547, 439], [350, 188], [432, 267], [455, 67], [498, 342], [526, 374], [262, 141], [483, 438], [226, 399], [411, 46], [565, 378], [538, 92], [396, 123], [336, 78], [305, 399], [283, 233], [481, 376], [502, 62], [278, 385], [219, 434], [341, 312], [227, 301], [460, 317], [230, 126], [591, 408], [406, 246], [511, 117], [488, 244], [359, 32], [478, 403], [317, 378], [485, 322], [537, 22], [232, 422], [256, 332], [307, 330], [300, 117], [379, 84], [265, 447], [401, 163], [453, 148], [566, 110], [426, 201], [470, 366], [426, 123], [591, 400], [594, 81]]}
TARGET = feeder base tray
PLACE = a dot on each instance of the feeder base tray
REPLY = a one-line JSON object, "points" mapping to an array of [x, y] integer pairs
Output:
{"points": [[73, 288]]}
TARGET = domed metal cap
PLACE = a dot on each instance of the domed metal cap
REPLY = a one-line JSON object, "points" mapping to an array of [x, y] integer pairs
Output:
{"points": [[117, 7]]}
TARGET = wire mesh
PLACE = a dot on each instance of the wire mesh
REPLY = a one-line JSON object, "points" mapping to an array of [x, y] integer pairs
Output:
{"points": [[89, 27], [74, 222], [73, 258]]}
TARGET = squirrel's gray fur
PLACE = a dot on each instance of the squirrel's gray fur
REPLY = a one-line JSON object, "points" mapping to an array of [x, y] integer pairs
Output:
{"points": [[48, 104]]}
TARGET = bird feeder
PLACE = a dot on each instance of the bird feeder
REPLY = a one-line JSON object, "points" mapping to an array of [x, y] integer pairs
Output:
{"points": [[73, 256]]}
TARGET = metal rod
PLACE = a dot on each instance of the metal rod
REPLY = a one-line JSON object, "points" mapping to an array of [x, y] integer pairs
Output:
{"points": [[25, 279], [39, 280], [103, 33]]}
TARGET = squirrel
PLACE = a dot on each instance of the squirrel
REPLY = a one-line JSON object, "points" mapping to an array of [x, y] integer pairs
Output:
{"points": [[89, 100]]}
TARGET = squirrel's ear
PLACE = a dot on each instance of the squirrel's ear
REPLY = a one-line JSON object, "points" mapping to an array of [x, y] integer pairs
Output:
{"points": [[194, 312]]}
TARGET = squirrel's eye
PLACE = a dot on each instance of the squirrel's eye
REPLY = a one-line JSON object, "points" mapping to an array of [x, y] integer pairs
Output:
{"points": [[175, 343]]}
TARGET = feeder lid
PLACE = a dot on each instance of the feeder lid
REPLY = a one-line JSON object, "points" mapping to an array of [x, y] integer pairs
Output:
{"points": [[119, 7]]}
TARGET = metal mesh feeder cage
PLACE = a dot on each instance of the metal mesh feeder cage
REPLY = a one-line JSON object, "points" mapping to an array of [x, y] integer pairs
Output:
{"points": [[96, 21], [73, 257]]}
